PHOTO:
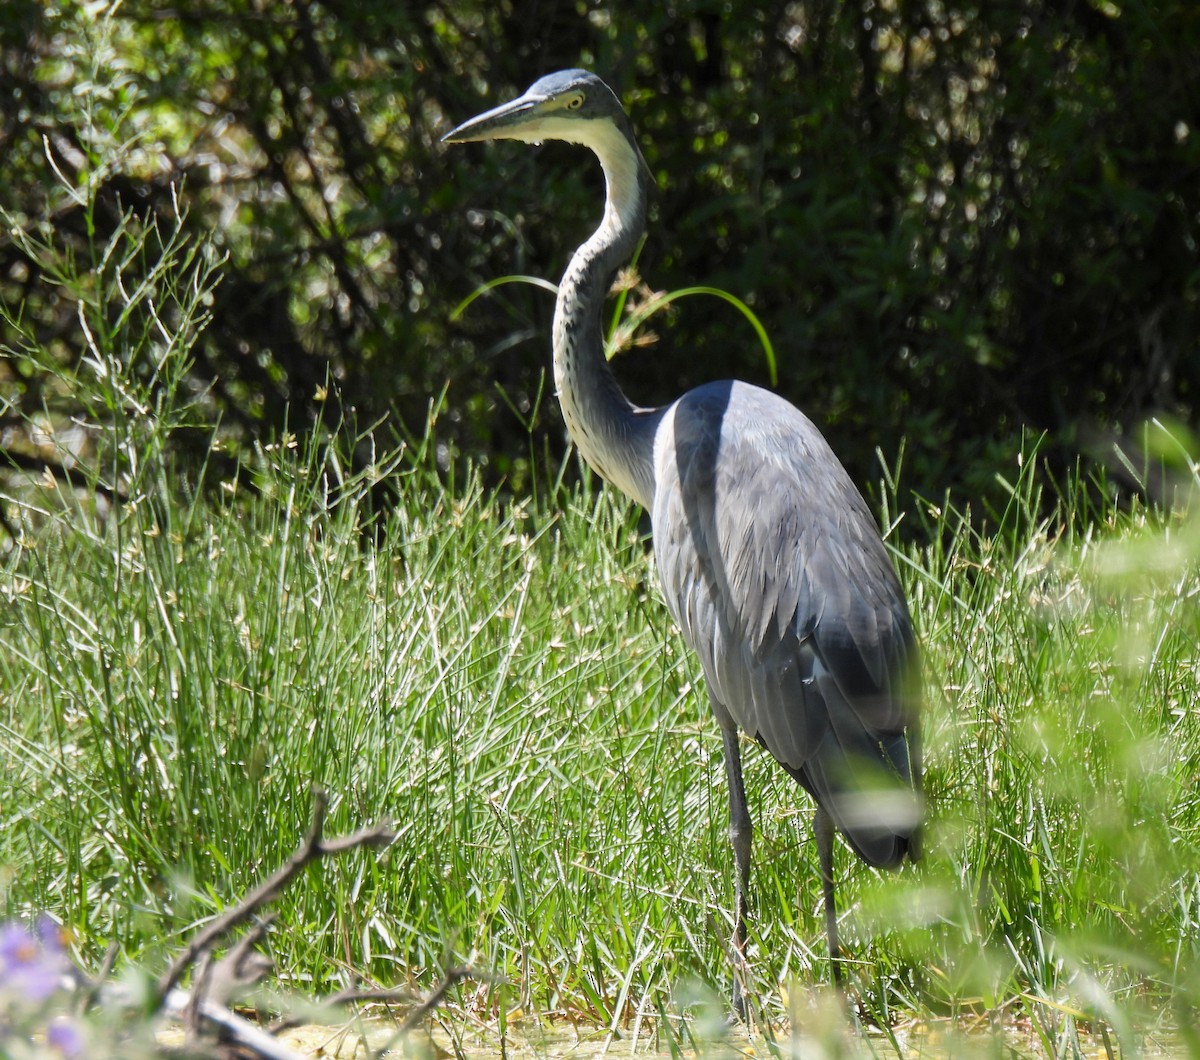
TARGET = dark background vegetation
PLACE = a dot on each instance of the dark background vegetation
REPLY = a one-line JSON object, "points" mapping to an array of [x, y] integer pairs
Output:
{"points": [[959, 222]]}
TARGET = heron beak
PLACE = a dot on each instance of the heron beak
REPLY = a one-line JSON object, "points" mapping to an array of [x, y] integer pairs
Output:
{"points": [[515, 120]]}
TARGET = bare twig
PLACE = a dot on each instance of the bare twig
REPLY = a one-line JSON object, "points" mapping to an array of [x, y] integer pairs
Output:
{"points": [[92, 987], [413, 1019], [220, 982], [417, 1014], [253, 1039], [455, 975], [241, 968], [349, 996], [312, 848], [205, 1009]]}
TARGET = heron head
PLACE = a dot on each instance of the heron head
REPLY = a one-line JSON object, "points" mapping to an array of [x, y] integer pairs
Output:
{"points": [[561, 106]]}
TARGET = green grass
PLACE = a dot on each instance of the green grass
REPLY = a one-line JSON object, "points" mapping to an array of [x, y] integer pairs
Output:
{"points": [[499, 679]]}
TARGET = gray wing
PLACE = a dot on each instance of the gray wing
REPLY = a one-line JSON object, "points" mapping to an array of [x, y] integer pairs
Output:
{"points": [[773, 567]]}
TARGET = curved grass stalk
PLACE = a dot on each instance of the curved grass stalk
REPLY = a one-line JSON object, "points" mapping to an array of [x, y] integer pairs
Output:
{"points": [[643, 313], [619, 333], [500, 281]]}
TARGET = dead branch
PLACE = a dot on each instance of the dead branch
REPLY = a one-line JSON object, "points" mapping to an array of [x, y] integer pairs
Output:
{"points": [[312, 848], [418, 1014], [455, 975], [349, 996], [252, 1039]]}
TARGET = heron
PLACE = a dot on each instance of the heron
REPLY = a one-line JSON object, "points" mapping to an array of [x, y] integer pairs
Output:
{"points": [[768, 557]]}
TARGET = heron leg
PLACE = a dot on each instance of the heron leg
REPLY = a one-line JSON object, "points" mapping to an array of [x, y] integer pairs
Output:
{"points": [[823, 830], [741, 831]]}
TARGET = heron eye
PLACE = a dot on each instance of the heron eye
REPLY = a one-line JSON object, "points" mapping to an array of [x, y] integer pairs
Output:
{"points": [[575, 102]]}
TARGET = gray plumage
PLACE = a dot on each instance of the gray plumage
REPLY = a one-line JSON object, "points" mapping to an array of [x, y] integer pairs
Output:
{"points": [[774, 570], [768, 556]]}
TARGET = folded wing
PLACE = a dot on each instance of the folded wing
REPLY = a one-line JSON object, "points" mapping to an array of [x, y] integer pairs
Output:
{"points": [[773, 567]]}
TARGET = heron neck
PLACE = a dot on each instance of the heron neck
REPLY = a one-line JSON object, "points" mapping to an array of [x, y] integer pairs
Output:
{"points": [[615, 437]]}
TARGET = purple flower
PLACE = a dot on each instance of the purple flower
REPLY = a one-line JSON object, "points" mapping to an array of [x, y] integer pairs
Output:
{"points": [[32, 965], [65, 1037]]}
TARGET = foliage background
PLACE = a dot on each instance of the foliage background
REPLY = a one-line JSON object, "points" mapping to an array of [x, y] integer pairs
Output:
{"points": [[957, 221]]}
